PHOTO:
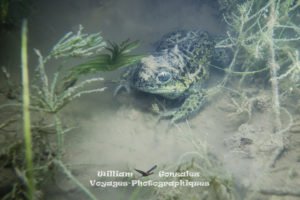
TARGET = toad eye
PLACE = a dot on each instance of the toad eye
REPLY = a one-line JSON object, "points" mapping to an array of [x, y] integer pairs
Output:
{"points": [[164, 76]]}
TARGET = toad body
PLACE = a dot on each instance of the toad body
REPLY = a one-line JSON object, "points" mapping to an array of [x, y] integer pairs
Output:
{"points": [[177, 70]]}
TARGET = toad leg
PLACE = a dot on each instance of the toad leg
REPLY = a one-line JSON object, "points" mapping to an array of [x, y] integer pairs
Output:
{"points": [[192, 104]]}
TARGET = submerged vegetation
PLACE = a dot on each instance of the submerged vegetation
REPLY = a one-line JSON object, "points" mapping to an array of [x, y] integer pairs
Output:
{"points": [[26, 113], [265, 33], [48, 99], [118, 57], [264, 37]]}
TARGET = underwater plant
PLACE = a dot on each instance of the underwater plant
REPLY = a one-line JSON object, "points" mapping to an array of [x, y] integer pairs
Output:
{"points": [[118, 57], [265, 35], [26, 112], [47, 98]]}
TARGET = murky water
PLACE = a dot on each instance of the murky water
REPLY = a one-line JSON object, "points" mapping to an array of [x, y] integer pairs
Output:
{"points": [[119, 133]]}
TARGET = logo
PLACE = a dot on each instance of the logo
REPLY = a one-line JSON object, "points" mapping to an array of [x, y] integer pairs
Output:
{"points": [[147, 173]]}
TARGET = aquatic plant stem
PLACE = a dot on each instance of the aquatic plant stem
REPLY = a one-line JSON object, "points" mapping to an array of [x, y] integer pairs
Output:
{"points": [[230, 68], [280, 192], [137, 190], [60, 136], [135, 193], [273, 65], [26, 112], [69, 175]]}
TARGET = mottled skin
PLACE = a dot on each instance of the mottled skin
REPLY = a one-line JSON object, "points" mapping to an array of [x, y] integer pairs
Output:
{"points": [[176, 70]]}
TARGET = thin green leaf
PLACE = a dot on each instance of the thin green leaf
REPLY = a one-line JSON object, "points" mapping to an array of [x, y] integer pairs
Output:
{"points": [[118, 57]]}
